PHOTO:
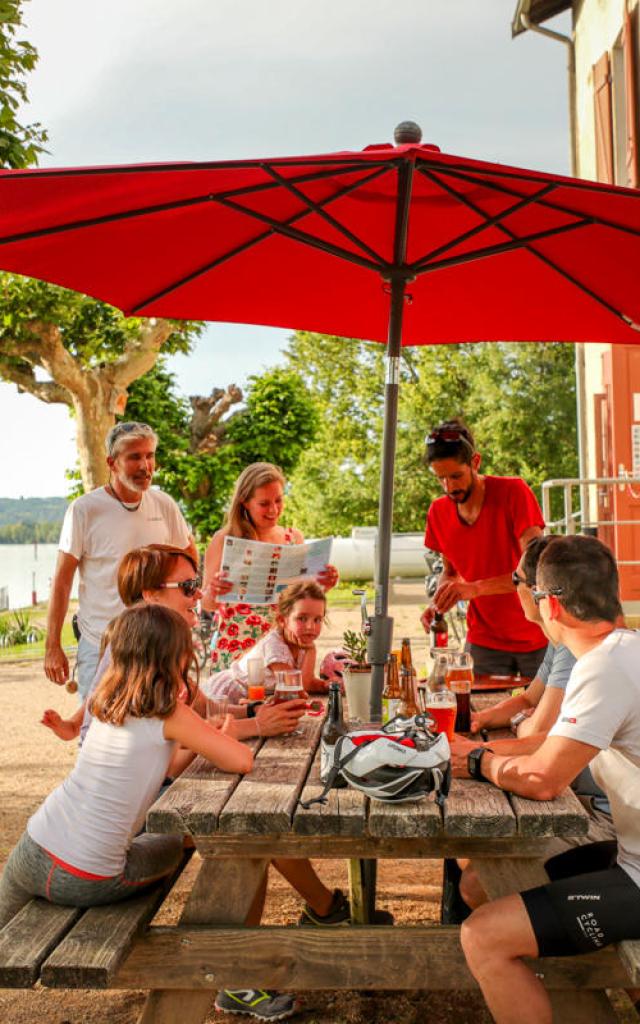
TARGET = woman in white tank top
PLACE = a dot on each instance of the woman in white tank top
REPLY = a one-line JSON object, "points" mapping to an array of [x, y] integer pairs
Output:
{"points": [[81, 847]]}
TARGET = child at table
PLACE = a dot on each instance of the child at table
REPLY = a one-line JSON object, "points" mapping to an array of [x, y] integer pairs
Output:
{"points": [[290, 643], [80, 848]]}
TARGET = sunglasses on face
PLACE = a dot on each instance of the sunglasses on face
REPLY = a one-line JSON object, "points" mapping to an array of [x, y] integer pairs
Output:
{"points": [[517, 580], [188, 587], [539, 595]]}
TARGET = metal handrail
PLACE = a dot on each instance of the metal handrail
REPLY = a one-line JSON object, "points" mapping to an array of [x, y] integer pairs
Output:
{"points": [[571, 518]]}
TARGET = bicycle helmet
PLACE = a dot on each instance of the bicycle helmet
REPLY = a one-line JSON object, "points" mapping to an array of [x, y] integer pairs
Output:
{"points": [[333, 665]]}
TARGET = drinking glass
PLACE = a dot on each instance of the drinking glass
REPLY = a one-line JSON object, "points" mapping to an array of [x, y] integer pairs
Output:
{"points": [[217, 709], [288, 687], [460, 679], [255, 679]]}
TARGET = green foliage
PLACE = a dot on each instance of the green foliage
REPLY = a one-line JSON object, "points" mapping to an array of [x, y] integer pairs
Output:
{"points": [[20, 145], [29, 533], [277, 421], [32, 510], [519, 400], [355, 644], [18, 629]]}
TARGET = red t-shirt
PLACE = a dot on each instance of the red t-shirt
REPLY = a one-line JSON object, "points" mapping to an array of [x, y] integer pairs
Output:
{"points": [[490, 547]]}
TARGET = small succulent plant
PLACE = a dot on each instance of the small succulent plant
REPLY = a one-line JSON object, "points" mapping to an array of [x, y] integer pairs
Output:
{"points": [[355, 644]]}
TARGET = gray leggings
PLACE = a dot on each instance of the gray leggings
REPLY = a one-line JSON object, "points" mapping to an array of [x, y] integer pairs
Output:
{"points": [[31, 871]]}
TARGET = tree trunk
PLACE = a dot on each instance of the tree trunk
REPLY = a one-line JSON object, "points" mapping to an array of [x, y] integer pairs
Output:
{"points": [[94, 420]]}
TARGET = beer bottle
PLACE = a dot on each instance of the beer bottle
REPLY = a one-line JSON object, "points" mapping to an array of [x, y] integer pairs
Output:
{"points": [[333, 728], [439, 631], [392, 694], [408, 707]]}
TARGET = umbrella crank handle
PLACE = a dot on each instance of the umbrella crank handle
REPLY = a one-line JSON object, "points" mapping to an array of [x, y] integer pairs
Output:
{"points": [[366, 624]]}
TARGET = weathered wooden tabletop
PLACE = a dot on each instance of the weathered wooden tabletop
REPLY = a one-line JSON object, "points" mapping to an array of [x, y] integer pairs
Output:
{"points": [[240, 824]]}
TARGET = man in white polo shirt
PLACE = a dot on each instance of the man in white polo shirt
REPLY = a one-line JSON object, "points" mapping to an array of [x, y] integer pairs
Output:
{"points": [[593, 898], [99, 528]]}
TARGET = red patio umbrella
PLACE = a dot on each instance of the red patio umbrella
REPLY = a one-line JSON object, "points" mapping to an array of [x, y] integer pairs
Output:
{"points": [[400, 244]]}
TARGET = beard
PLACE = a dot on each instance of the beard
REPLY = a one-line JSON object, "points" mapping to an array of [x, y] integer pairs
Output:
{"points": [[138, 483], [459, 497]]}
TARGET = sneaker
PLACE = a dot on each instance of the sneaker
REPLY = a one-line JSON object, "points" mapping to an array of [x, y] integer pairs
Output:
{"points": [[339, 912], [256, 1002]]}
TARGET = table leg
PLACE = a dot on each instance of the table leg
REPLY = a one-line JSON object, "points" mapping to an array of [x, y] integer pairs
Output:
{"points": [[503, 876], [362, 889], [223, 893]]}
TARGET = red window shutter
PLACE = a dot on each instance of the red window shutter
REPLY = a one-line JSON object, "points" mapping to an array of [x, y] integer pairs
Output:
{"points": [[604, 119], [628, 45]]}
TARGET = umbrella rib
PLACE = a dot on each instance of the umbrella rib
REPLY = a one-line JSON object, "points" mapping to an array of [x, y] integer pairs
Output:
{"points": [[146, 211], [487, 223], [550, 263], [249, 244], [315, 207], [556, 206], [497, 250]]}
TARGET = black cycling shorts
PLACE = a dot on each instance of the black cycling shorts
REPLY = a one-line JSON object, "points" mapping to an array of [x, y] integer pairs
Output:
{"points": [[590, 902]]}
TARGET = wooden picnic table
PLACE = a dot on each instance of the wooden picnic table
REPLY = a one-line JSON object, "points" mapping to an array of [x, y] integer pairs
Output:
{"points": [[239, 824]]}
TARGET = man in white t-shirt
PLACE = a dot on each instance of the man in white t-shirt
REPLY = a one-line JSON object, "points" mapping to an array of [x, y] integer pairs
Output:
{"points": [[99, 528], [594, 896]]}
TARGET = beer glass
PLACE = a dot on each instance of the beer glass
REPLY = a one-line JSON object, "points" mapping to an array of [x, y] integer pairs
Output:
{"points": [[460, 680], [440, 700], [288, 687]]}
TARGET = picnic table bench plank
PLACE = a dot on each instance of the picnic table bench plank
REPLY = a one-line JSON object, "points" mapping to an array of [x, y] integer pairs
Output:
{"points": [[91, 952], [28, 939], [265, 800]]}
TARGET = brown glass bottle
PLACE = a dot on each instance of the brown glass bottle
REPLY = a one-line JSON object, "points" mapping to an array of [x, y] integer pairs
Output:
{"points": [[408, 707], [392, 694], [334, 727], [439, 631]]}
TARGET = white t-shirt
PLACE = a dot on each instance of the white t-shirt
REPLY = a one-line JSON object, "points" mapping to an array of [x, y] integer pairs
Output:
{"points": [[98, 531], [602, 708], [91, 818]]}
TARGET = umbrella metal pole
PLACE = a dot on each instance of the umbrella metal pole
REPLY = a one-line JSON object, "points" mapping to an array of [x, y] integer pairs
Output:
{"points": [[380, 623]]}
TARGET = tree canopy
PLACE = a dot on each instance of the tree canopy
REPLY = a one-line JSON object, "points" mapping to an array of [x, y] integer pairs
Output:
{"points": [[20, 144], [518, 399]]}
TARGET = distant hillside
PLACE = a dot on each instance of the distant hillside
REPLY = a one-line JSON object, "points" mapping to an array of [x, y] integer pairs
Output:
{"points": [[32, 510]]}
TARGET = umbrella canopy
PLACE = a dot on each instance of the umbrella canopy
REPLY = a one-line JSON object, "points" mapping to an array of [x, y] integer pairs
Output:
{"points": [[402, 244], [492, 252]]}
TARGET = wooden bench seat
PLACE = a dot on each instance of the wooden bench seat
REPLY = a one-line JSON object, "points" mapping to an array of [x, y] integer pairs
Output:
{"points": [[67, 947]]}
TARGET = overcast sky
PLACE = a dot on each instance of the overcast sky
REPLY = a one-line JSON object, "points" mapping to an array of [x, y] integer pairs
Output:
{"points": [[121, 82]]}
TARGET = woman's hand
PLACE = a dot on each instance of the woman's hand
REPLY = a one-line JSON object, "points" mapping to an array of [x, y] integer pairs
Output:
{"points": [[217, 584], [278, 719], [328, 578]]}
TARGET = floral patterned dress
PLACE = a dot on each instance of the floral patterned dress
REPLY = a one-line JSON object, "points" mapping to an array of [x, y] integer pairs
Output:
{"points": [[241, 625]]}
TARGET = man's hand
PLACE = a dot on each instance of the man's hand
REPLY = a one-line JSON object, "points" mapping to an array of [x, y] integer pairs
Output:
{"points": [[279, 719], [427, 617], [451, 591], [460, 747], [64, 728], [56, 664]]}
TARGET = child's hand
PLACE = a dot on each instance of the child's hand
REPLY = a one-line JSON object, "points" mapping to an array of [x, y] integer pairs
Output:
{"points": [[65, 729]]}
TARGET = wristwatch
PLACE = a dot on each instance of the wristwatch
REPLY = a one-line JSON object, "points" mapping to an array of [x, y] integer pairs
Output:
{"points": [[514, 722], [252, 707], [474, 762]]}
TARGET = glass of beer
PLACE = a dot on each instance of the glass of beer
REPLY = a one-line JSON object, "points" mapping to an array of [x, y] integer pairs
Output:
{"points": [[459, 679], [442, 707], [288, 687]]}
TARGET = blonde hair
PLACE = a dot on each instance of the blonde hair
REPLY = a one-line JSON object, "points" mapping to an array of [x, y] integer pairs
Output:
{"points": [[238, 522], [298, 592], [151, 653]]}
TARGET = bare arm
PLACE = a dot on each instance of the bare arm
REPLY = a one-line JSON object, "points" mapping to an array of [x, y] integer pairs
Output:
{"points": [[56, 665], [542, 775], [214, 582], [501, 714], [193, 732], [449, 574], [450, 591], [546, 713]]}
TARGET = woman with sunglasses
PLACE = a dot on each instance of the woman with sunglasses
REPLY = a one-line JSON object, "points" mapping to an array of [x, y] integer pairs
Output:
{"points": [[257, 503]]}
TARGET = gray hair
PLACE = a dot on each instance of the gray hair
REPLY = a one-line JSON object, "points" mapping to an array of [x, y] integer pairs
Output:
{"points": [[122, 433]]}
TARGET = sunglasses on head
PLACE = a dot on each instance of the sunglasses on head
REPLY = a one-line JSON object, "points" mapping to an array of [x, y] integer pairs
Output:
{"points": [[450, 435], [188, 587], [539, 595]]}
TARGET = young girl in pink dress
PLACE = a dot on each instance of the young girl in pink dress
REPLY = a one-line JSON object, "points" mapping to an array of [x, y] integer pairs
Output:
{"points": [[256, 506]]}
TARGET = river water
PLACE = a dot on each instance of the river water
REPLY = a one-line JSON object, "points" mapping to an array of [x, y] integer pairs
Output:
{"points": [[22, 566]]}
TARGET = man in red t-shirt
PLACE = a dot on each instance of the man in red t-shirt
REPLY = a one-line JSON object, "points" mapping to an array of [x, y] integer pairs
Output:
{"points": [[481, 526]]}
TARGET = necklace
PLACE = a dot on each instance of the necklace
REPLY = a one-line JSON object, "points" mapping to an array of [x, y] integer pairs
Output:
{"points": [[128, 508]]}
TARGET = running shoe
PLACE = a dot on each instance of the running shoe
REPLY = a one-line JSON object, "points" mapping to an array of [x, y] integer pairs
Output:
{"points": [[256, 1002], [339, 912]]}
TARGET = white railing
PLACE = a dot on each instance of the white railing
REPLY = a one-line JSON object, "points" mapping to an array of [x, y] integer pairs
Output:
{"points": [[573, 521]]}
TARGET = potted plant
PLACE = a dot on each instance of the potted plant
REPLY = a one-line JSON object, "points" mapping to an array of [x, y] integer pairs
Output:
{"points": [[357, 675]]}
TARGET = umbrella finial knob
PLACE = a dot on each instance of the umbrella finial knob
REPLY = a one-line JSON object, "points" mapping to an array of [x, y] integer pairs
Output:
{"points": [[407, 132]]}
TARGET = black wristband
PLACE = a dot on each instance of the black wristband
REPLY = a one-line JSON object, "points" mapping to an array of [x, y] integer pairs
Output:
{"points": [[252, 707]]}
